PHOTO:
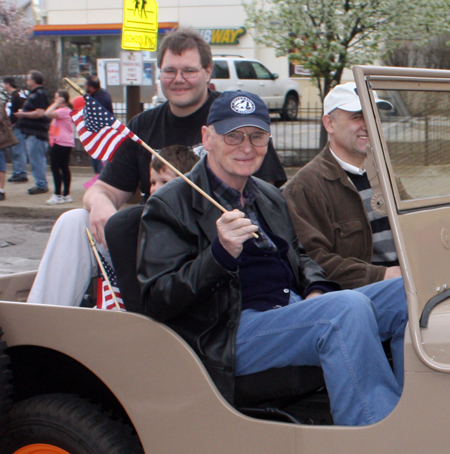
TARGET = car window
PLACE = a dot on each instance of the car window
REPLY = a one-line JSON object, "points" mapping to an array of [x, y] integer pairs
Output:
{"points": [[261, 71], [244, 70], [417, 135], [220, 70]]}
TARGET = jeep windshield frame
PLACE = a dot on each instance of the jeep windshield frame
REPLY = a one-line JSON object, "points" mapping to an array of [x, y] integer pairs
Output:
{"points": [[410, 177]]}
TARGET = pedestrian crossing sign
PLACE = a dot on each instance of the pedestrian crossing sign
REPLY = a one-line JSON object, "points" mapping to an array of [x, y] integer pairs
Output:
{"points": [[140, 25]]}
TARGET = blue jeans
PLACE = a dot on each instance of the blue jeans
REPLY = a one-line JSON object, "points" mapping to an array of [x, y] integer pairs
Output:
{"points": [[3, 160], [37, 152], [18, 154], [97, 165], [341, 332]]}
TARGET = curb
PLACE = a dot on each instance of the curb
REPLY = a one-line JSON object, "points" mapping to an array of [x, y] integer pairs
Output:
{"points": [[34, 212]]}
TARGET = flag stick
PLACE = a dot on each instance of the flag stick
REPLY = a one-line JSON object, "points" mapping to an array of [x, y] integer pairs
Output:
{"points": [[167, 163], [102, 269], [75, 86]]}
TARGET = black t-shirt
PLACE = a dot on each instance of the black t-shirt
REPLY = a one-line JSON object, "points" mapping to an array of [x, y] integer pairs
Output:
{"points": [[37, 99], [160, 128], [14, 104]]}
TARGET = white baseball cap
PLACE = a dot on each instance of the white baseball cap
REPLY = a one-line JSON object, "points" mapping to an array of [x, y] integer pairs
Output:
{"points": [[345, 97]]}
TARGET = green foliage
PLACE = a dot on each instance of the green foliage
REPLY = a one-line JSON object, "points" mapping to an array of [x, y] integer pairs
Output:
{"points": [[327, 36]]}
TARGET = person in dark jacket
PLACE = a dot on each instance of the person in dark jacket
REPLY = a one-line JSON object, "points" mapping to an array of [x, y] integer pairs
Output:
{"points": [[93, 88], [248, 304], [35, 125], [17, 153], [176, 122]]}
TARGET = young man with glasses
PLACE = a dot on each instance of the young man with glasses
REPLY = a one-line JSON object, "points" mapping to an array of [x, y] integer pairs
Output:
{"points": [[176, 122], [246, 305]]}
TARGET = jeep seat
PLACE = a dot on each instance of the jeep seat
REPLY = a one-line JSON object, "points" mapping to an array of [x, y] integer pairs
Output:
{"points": [[264, 394]]}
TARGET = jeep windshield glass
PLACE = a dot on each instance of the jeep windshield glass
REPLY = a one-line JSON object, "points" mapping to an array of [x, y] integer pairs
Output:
{"points": [[417, 136]]}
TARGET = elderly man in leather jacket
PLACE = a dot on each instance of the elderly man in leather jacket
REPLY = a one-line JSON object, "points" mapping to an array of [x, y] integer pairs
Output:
{"points": [[248, 304]]}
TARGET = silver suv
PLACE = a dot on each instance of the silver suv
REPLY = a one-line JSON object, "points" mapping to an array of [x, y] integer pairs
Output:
{"points": [[231, 72]]}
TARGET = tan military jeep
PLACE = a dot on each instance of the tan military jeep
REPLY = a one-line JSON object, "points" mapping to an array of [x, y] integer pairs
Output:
{"points": [[85, 381]]}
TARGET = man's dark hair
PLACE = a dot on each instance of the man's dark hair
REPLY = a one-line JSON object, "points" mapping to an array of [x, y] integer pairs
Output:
{"points": [[36, 76], [93, 81], [181, 157], [183, 39], [10, 80]]}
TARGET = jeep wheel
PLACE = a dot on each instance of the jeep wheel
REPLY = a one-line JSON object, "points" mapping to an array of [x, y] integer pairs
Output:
{"points": [[64, 424], [290, 108], [5, 379]]}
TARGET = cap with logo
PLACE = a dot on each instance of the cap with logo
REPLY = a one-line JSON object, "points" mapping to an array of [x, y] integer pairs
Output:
{"points": [[237, 109], [345, 97]]}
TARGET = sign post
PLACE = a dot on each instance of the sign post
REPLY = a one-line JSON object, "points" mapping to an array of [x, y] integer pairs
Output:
{"points": [[139, 32]]}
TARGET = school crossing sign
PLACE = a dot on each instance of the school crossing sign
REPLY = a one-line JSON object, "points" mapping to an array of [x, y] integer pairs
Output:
{"points": [[140, 25]]}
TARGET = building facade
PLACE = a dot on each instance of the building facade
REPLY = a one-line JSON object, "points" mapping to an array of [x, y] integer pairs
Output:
{"points": [[87, 30]]}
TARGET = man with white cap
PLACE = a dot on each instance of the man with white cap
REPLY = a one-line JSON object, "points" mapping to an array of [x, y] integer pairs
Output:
{"points": [[248, 304], [330, 200]]}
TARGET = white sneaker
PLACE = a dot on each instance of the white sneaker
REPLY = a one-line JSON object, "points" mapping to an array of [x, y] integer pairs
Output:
{"points": [[55, 199], [67, 199]]}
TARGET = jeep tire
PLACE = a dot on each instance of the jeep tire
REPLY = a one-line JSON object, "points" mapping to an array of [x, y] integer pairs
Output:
{"points": [[5, 379], [64, 424]]}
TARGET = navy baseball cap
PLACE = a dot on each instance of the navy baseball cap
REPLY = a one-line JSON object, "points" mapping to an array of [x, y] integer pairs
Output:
{"points": [[236, 109]]}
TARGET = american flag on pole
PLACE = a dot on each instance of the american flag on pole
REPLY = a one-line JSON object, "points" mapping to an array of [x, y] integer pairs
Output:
{"points": [[104, 298], [99, 132]]}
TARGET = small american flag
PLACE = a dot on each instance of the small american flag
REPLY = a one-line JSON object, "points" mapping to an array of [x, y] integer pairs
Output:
{"points": [[99, 132], [104, 298]]}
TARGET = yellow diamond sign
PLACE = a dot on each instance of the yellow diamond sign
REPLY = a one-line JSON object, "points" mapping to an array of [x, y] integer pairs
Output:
{"points": [[140, 25]]}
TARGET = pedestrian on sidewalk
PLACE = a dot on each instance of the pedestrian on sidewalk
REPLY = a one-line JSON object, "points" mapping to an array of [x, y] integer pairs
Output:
{"points": [[34, 124], [17, 153], [2, 173], [92, 87], [61, 144], [7, 139]]}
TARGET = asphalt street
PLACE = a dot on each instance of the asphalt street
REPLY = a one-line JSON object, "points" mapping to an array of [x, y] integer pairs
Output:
{"points": [[22, 243]]}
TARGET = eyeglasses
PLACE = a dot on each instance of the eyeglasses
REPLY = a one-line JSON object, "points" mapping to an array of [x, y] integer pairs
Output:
{"points": [[257, 139], [171, 73]]}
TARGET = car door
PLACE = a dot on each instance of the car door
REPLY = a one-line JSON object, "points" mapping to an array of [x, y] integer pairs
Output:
{"points": [[409, 170], [246, 77], [270, 89]]}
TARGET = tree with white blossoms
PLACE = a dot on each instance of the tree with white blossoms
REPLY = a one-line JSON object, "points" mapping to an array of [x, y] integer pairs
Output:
{"points": [[19, 53], [326, 36]]}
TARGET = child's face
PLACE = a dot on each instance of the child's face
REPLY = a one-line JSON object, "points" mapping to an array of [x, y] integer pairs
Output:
{"points": [[159, 179]]}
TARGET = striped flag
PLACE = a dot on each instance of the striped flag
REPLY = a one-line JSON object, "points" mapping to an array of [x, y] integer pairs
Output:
{"points": [[104, 298], [99, 132]]}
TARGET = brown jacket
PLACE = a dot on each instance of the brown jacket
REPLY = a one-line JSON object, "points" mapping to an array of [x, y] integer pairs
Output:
{"points": [[331, 222]]}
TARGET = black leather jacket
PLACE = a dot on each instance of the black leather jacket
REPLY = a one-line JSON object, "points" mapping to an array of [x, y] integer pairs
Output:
{"points": [[184, 287]]}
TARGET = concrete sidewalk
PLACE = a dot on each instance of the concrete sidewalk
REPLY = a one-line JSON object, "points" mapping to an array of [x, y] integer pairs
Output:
{"points": [[19, 203]]}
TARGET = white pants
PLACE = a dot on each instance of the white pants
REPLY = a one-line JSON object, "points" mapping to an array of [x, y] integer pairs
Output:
{"points": [[68, 263]]}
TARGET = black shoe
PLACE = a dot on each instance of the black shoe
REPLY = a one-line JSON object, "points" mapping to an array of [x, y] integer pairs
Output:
{"points": [[2, 196], [18, 179], [36, 190]]}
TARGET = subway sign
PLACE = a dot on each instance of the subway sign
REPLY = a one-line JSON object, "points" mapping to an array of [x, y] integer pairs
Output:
{"points": [[222, 35]]}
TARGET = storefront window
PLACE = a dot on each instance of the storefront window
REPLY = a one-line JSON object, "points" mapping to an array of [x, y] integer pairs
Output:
{"points": [[80, 55]]}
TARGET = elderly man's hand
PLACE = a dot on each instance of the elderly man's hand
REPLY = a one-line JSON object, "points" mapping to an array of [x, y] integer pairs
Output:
{"points": [[234, 229]]}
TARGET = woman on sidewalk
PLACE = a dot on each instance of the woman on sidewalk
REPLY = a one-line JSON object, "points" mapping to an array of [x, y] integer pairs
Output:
{"points": [[61, 143]]}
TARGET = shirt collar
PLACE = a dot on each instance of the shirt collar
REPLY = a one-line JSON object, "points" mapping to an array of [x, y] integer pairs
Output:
{"points": [[232, 196], [348, 167]]}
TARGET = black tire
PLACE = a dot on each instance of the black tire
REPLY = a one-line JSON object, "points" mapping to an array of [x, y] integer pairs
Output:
{"points": [[290, 108], [5, 379], [65, 423]]}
